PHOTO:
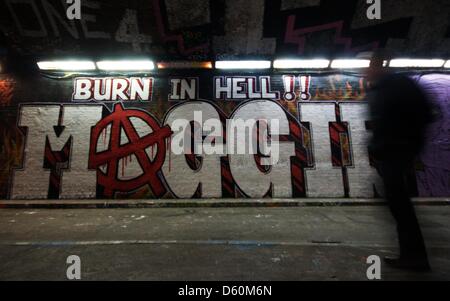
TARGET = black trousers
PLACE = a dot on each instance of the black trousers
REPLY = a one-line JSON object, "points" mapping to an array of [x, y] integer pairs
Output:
{"points": [[394, 172]]}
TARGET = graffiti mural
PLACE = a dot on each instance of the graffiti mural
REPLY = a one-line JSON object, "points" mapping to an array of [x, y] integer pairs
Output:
{"points": [[433, 165], [174, 133], [188, 137]]}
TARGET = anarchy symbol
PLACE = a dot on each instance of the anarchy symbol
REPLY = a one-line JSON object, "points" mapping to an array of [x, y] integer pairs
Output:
{"points": [[117, 121]]}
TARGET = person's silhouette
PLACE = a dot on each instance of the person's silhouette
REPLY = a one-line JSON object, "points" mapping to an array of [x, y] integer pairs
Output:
{"points": [[400, 113]]}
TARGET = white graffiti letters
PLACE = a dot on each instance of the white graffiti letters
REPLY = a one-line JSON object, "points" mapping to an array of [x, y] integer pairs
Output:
{"points": [[32, 181], [113, 89], [185, 179], [241, 88], [256, 151]]}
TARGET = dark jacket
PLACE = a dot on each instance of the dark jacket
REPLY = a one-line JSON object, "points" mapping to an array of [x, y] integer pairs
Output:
{"points": [[400, 113]]}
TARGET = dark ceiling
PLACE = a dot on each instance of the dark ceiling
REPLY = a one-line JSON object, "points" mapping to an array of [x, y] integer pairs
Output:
{"points": [[212, 29]]}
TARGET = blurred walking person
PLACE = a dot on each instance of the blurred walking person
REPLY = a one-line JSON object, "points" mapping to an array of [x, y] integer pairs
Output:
{"points": [[400, 113]]}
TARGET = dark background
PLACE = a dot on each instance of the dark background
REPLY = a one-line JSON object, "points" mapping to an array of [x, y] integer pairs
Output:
{"points": [[214, 29]]}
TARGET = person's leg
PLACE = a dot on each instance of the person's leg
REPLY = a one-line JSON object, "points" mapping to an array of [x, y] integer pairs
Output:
{"points": [[393, 186], [412, 247], [410, 236]]}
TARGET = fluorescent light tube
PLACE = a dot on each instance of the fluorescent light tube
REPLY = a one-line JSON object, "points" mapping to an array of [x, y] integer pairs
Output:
{"points": [[420, 63], [68, 65], [350, 63], [303, 63], [126, 65], [243, 64]]}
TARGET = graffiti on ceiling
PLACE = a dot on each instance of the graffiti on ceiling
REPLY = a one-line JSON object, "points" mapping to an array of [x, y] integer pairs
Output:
{"points": [[200, 29]]}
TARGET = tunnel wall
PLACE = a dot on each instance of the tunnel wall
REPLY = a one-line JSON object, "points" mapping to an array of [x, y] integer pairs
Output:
{"points": [[60, 140], [56, 145]]}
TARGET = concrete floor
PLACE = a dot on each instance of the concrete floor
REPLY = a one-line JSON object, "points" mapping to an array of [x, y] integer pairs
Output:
{"points": [[287, 243]]}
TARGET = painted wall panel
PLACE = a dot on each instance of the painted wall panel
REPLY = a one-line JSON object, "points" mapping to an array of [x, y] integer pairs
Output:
{"points": [[163, 144]]}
